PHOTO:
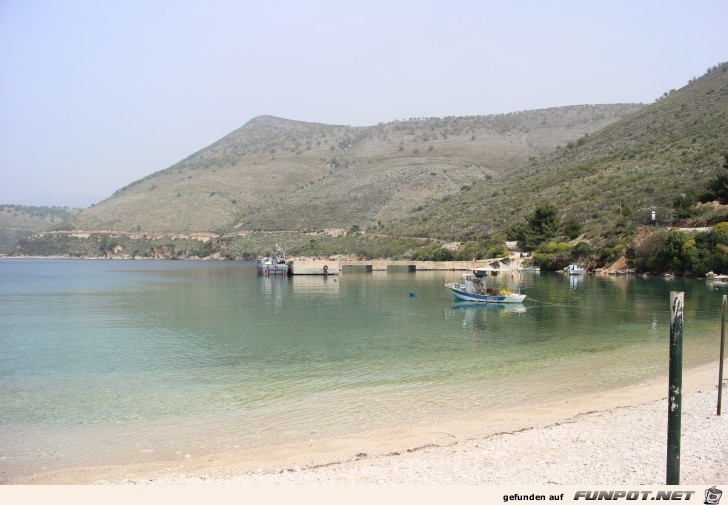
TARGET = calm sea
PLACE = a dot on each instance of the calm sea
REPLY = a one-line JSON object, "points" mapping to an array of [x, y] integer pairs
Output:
{"points": [[106, 362]]}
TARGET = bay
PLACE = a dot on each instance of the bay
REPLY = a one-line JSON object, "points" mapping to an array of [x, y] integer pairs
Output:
{"points": [[112, 362]]}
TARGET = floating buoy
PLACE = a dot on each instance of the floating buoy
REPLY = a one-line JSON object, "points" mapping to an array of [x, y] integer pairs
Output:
{"points": [[412, 294]]}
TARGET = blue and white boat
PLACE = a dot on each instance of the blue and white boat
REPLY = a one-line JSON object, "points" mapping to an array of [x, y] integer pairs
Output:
{"points": [[474, 289]]}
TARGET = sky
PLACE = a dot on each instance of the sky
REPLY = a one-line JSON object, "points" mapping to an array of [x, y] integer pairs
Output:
{"points": [[95, 94]]}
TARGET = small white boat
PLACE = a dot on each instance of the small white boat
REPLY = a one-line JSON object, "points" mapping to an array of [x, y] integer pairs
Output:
{"points": [[711, 276], [574, 269], [474, 289]]}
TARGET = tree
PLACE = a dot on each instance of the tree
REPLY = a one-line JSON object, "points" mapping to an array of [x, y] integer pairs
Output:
{"points": [[572, 228], [710, 251], [663, 252], [553, 256], [682, 205], [540, 227], [545, 221]]}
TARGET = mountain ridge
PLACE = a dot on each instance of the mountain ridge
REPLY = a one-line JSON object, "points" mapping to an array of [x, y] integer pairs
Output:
{"points": [[463, 178], [633, 166], [266, 174]]}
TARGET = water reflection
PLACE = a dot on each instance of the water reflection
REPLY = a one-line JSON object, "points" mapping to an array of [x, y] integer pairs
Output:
{"points": [[512, 308], [575, 281], [717, 284], [475, 314], [309, 284], [274, 288]]}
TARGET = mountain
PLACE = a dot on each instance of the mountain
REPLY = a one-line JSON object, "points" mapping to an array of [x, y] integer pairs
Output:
{"points": [[616, 176], [19, 221], [386, 190], [278, 175]]}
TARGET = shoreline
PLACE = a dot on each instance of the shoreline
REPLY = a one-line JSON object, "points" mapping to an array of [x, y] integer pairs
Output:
{"points": [[617, 436], [611, 271]]}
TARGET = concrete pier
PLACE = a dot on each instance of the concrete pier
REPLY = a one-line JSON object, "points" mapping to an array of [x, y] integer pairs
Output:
{"points": [[408, 265], [307, 266]]}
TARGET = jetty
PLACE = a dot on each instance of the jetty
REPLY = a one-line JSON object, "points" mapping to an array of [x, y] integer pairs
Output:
{"points": [[317, 266]]}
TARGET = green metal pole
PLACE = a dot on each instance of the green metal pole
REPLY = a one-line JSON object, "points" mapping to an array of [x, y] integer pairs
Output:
{"points": [[722, 346], [677, 299]]}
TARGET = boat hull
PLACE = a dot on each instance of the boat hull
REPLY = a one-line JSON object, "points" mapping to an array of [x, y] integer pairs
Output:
{"points": [[273, 269], [461, 294]]}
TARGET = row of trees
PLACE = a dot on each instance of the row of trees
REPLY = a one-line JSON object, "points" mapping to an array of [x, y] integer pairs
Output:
{"points": [[486, 248], [665, 250], [675, 251], [552, 241]]}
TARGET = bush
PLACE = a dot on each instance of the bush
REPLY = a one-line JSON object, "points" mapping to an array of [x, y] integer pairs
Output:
{"points": [[433, 253], [555, 248], [486, 248], [682, 205], [572, 228], [661, 252], [707, 253], [553, 256], [612, 252], [721, 229], [581, 249]]}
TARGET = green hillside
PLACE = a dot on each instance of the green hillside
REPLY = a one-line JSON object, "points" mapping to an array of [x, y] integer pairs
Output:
{"points": [[277, 175], [622, 173], [398, 189]]}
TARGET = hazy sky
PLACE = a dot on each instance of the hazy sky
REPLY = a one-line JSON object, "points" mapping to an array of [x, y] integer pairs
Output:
{"points": [[96, 94]]}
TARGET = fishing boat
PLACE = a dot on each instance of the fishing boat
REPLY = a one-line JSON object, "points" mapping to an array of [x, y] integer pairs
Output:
{"points": [[474, 288], [574, 269], [275, 264]]}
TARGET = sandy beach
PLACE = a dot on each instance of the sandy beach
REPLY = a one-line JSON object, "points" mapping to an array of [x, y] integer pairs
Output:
{"points": [[616, 437]]}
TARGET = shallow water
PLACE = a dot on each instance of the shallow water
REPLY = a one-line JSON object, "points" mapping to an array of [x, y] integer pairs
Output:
{"points": [[127, 361]]}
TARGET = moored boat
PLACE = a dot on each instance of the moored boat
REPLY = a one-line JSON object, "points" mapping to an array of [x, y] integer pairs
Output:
{"points": [[474, 289], [275, 264], [574, 269]]}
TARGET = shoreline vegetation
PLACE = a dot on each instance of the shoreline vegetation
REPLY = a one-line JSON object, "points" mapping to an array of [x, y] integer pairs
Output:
{"points": [[617, 436], [514, 261], [700, 252]]}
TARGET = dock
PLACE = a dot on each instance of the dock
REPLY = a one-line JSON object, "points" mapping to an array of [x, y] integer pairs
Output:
{"points": [[308, 266]]}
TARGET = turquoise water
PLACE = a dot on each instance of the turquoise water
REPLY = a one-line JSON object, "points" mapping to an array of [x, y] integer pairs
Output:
{"points": [[107, 362]]}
